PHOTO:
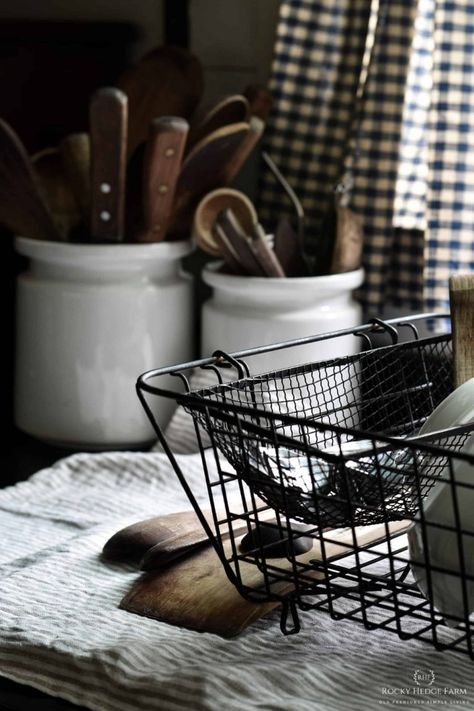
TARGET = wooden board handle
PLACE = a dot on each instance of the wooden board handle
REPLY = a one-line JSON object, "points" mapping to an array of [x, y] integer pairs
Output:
{"points": [[461, 294]]}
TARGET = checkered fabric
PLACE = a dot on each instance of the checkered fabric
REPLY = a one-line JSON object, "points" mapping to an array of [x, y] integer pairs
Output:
{"points": [[413, 168]]}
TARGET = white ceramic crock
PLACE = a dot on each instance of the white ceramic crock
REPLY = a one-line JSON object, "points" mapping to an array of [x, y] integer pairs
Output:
{"points": [[245, 312], [90, 319]]}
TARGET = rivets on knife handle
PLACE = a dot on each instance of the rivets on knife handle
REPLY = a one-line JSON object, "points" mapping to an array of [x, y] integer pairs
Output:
{"points": [[105, 216], [105, 188], [170, 152]]}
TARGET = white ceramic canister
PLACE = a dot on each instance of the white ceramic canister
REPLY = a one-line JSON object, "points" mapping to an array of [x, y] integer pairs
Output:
{"points": [[90, 319], [245, 312]]}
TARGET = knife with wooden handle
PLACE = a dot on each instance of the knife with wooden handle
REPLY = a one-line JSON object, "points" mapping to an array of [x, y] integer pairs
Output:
{"points": [[162, 165], [108, 138]]}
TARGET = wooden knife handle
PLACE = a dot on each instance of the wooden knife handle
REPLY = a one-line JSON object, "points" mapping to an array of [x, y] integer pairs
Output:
{"points": [[162, 165], [108, 136], [461, 294]]}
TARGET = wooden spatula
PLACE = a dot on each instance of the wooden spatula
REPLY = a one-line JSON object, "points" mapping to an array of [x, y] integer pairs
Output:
{"points": [[205, 168], [461, 294], [76, 159], [231, 109], [22, 207], [56, 190], [162, 164], [168, 81], [108, 136], [349, 241], [195, 592]]}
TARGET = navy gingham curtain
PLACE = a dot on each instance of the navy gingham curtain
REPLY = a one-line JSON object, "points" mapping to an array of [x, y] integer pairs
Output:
{"points": [[413, 167]]}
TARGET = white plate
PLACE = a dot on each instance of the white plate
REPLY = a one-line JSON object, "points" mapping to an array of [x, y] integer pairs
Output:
{"points": [[443, 551]]}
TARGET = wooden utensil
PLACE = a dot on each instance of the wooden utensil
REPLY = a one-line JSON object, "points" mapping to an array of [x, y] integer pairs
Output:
{"points": [[108, 132], [209, 208], [288, 251], [171, 535], [265, 254], [168, 81], [461, 295], [154, 542], [246, 148], [195, 592], [347, 252], [227, 251], [227, 225], [252, 249], [260, 100], [232, 109], [162, 164], [76, 159], [22, 207], [56, 190], [205, 168]]}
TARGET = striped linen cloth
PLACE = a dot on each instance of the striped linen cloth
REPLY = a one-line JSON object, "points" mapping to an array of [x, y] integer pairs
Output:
{"points": [[413, 158], [61, 630]]}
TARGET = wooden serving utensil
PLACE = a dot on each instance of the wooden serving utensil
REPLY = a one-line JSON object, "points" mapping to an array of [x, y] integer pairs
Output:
{"points": [[461, 295], [288, 251], [22, 207], [108, 135], [265, 254], [76, 159], [162, 164], [167, 537], [228, 226], [247, 146], [205, 168], [195, 592], [231, 109], [260, 100], [208, 210], [56, 190], [168, 81], [349, 241]]}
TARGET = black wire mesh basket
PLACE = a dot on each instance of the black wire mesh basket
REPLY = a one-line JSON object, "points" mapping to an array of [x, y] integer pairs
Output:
{"points": [[317, 477]]}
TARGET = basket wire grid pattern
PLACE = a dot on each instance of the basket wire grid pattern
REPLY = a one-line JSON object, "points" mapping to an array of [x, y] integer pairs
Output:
{"points": [[311, 414]]}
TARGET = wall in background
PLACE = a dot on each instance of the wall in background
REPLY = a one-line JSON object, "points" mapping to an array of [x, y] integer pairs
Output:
{"points": [[234, 41], [146, 14]]}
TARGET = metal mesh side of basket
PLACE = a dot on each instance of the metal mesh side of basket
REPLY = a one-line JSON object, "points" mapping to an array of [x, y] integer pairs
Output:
{"points": [[287, 433]]}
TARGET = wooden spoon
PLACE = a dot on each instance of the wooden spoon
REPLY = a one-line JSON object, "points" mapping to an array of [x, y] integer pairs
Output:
{"points": [[209, 208], [232, 109], [206, 167], [108, 132], [168, 81], [22, 207]]}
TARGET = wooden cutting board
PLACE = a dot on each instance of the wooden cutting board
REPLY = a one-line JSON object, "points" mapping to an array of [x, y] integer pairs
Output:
{"points": [[195, 592]]}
